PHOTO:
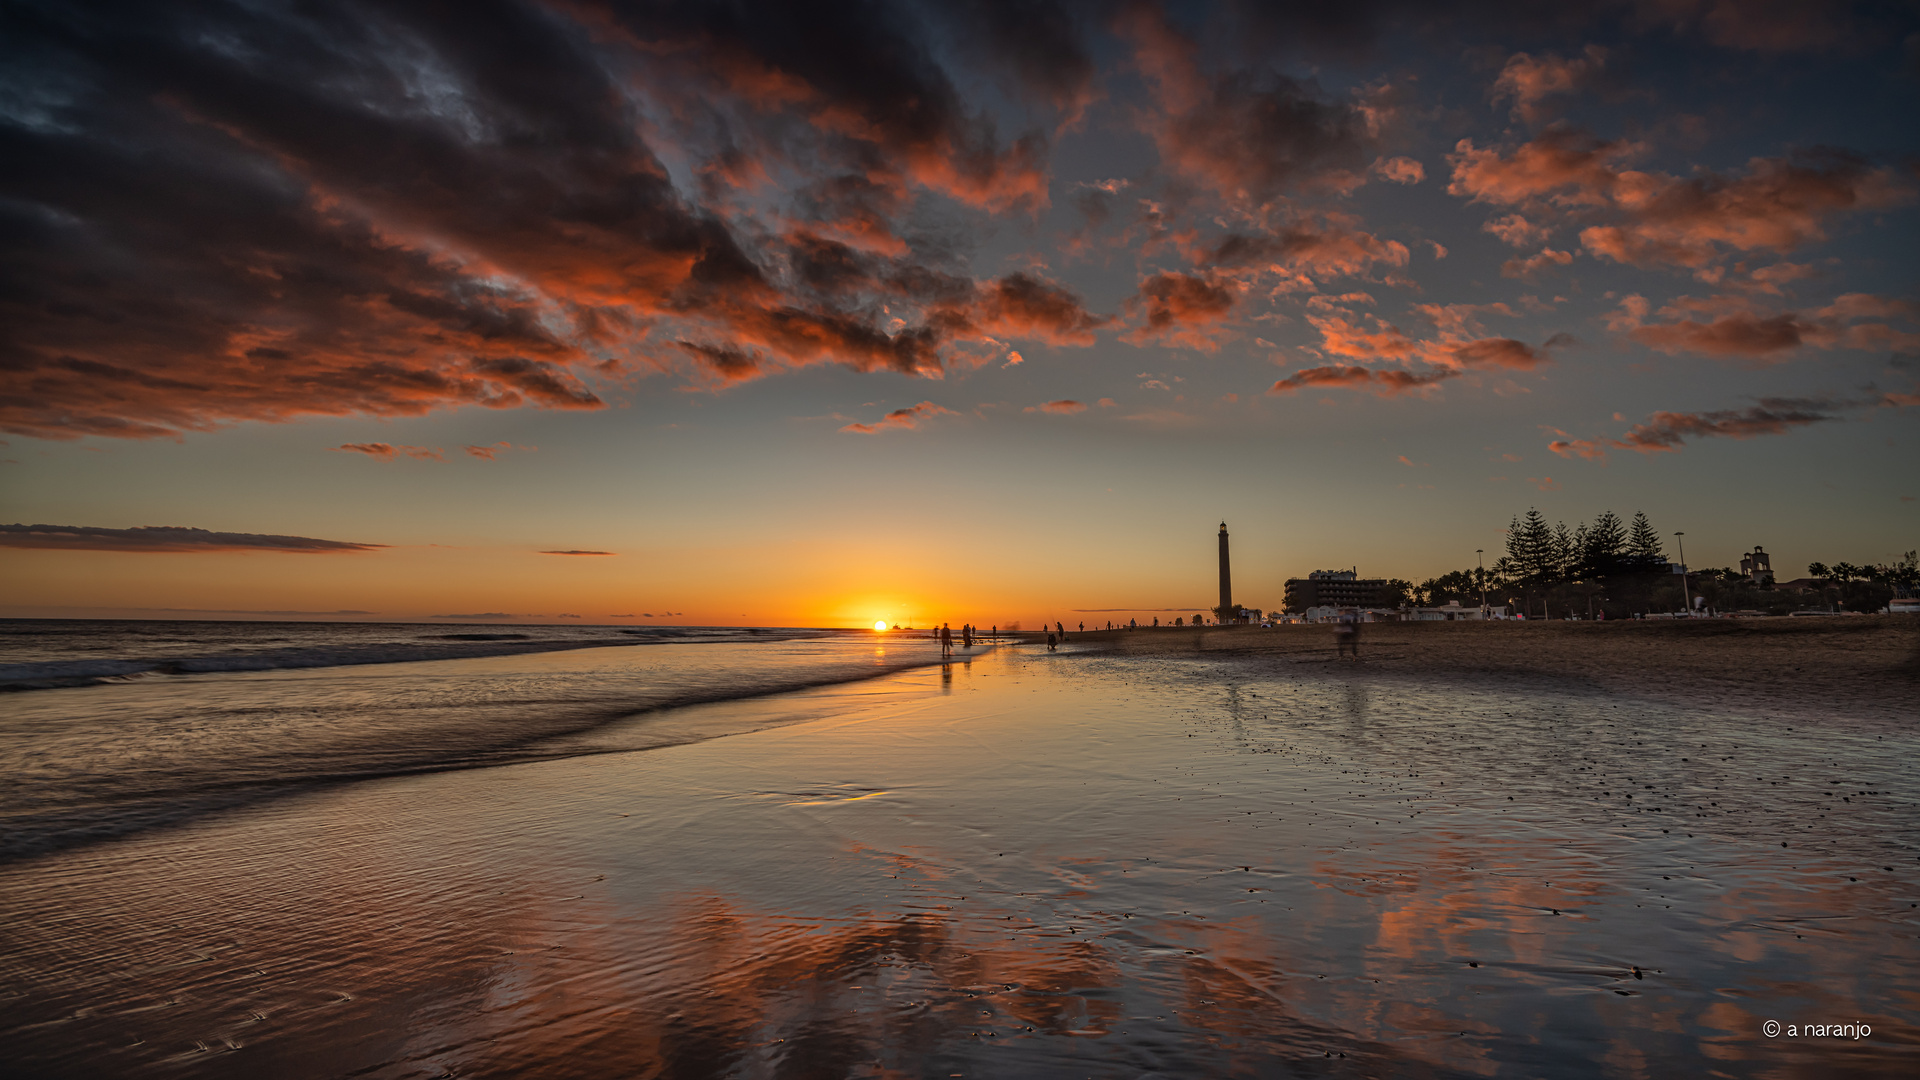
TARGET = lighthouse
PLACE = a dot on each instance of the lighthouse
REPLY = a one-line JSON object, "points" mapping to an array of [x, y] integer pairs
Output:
{"points": [[1226, 611]]}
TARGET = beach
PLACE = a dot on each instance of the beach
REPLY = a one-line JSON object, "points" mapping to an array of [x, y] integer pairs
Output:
{"points": [[1521, 850], [1847, 666]]}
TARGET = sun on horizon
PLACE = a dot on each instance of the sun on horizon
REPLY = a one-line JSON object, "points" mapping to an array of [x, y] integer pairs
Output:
{"points": [[880, 626]]}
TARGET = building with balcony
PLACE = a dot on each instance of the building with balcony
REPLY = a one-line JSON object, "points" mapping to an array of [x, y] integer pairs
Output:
{"points": [[1336, 588]]}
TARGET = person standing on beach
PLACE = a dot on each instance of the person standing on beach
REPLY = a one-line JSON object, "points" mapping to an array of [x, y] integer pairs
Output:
{"points": [[966, 635], [1050, 641], [1083, 628], [946, 640]]}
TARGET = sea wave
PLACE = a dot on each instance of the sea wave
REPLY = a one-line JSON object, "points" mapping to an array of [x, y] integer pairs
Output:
{"points": [[139, 749], [93, 671]]}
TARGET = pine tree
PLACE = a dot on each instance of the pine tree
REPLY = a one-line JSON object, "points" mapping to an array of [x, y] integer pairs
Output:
{"points": [[1515, 557], [1645, 553], [1603, 549], [1530, 544], [1563, 561]]}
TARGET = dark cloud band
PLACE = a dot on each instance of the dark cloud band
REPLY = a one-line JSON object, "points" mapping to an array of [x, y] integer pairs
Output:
{"points": [[164, 538]]}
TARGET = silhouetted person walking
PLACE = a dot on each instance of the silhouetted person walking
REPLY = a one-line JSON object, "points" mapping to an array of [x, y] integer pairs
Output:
{"points": [[946, 640], [1346, 637]]}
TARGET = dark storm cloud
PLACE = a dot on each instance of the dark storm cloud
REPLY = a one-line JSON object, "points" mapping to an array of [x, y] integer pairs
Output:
{"points": [[224, 212], [163, 538], [1040, 43], [1249, 134]]}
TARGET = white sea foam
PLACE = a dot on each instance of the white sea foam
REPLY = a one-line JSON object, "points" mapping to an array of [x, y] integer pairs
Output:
{"points": [[50, 654]]}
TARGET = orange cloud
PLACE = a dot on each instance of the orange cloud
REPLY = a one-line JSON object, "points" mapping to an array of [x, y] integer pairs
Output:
{"points": [[1399, 170], [1381, 383], [1566, 163], [1344, 334], [1529, 81], [909, 417], [1735, 327], [1590, 449], [578, 552], [387, 451], [760, 338], [1321, 253], [487, 452], [1180, 309], [1516, 231], [1249, 136], [1064, 405], [1776, 204], [1506, 353], [1028, 307], [1739, 334], [1528, 267], [1367, 337]]}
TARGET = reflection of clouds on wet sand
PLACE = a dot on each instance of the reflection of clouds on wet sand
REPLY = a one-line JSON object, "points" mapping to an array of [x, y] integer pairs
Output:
{"points": [[1063, 866]]}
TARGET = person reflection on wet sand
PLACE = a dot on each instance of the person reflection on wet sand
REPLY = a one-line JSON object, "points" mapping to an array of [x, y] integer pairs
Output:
{"points": [[1346, 636]]}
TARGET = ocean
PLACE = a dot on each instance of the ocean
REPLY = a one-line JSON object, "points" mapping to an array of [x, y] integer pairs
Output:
{"points": [[111, 727]]}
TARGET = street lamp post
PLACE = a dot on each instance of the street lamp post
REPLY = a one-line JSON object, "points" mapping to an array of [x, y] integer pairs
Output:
{"points": [[1480, 554], [1684, 594]]}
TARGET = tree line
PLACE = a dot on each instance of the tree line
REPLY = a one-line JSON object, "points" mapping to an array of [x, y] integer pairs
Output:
{"points": [[1621, 568]]}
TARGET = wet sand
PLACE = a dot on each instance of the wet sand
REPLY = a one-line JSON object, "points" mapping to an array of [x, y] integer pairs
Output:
{"points": [[1847, 665], [1236, 860]]}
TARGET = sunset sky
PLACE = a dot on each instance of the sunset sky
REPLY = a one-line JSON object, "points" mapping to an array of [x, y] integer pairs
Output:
{"points": [[816, 314]]}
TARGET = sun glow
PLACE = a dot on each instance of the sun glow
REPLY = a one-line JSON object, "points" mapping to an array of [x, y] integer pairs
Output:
{"points": [[880, 625]]}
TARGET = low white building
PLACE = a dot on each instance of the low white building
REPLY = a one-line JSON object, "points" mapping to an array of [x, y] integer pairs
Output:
{"points": [[1449, 612], [1328, 613]]}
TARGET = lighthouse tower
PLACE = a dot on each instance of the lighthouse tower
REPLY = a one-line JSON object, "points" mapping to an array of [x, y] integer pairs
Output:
{"points": [[1226, 611]]}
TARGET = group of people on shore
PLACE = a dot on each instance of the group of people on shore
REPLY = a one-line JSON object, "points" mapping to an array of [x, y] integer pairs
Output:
{"points": [[968, 632]]}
